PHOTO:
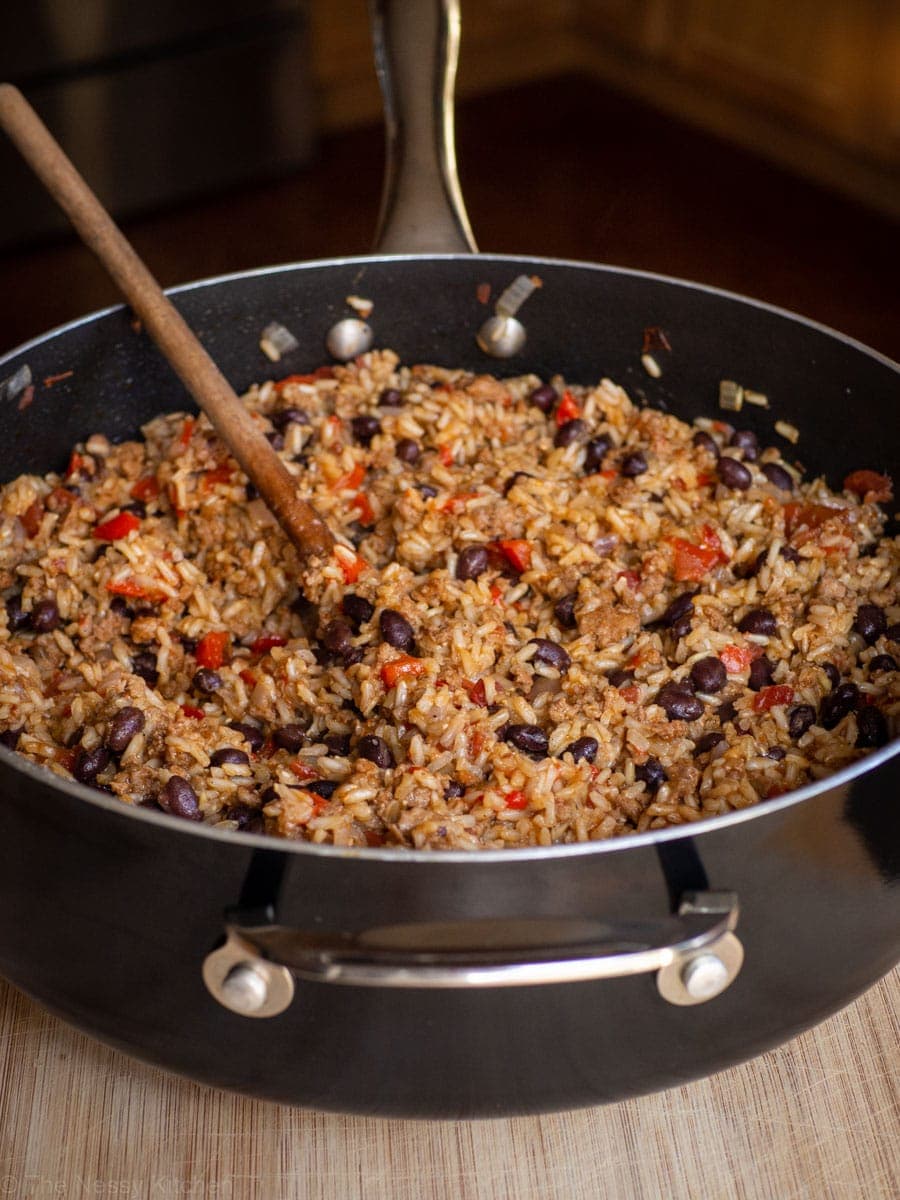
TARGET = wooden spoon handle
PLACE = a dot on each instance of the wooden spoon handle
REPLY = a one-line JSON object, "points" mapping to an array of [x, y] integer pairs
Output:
{"points": [[164, 323]]}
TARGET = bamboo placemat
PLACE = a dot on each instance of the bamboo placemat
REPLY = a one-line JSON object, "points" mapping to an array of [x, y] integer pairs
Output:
{"points": [[817, 1118]]}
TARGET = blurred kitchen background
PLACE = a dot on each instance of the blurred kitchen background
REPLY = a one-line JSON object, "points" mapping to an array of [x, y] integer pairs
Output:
{"points": [[751, 144]]}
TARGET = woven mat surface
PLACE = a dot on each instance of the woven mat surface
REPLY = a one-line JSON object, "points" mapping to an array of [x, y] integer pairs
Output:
{"points": [[817, 1118]]}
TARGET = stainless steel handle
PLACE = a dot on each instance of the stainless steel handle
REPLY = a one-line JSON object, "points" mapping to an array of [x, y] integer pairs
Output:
{"points": [[695, 955], [416, 46]]}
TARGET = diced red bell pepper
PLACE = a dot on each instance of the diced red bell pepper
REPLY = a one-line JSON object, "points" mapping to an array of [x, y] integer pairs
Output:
{"points": [[266, 642], [221, 474], [496, 593], [772, 697], [133, 590], [373, 838], [870, 485], [319, 373], [60, 499], [302, 771], [445, 453], [516, 799], [146, 488], [517, 553], [76, 464], [631, 578], [211, 649], [567, 410], [404, 667], [363, 506], [456, 503], [692, 562], [187, 431], [117, 527], [476, 692], [350, 481], [195, 714], [249, 679], [810, 516], [352, 568], [736, 659]]}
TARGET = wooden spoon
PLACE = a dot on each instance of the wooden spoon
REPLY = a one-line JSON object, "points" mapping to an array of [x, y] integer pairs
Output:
{"points": [[164, 323]]}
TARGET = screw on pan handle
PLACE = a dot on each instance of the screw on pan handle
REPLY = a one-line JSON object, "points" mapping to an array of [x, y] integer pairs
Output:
{"points": [[695, 956], [416, 48]]}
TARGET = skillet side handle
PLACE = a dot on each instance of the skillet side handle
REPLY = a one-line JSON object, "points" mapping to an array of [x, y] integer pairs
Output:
{"points": [[416, 46]]}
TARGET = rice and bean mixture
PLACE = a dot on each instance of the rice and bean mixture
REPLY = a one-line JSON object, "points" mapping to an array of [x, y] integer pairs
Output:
{"points": [[551, 616]]}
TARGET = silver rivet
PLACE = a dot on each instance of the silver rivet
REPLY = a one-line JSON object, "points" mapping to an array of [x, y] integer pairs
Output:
{"points": [[348, 338], [704, 976], [244, 989], [501, 337]]}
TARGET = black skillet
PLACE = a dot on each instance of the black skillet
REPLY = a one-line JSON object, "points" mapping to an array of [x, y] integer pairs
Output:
{"points": [[426, 984]]}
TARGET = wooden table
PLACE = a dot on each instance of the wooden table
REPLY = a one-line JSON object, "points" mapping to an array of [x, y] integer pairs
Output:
{"points": [[816, 1118]]}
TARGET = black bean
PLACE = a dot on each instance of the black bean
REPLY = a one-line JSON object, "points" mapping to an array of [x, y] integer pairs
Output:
{"points": [[800, 719], [760, 674], [289, 416], [789, 554], [892, 633], [89, 764], [275, 440], [583, 748], [778, 476], [776, 753], [44, 616], [682, 627], [882, 662], [119, 606], [396, 630], [709, 675], [834, 675], [705, 441], [321, 787], [472, 562], [569, 432], [871, 728], [251, 491], [837, 704], [125, 725], [289, 737], [551, 654], [376, 750], [681, 606], [746, 440], [357, 609], [179, 798], [679, 702], [365, 428], [749, 567], [453, 789], [229, 755], [408, 450], [390, 398], [10, 738], [595, 452], [725, 712], [652, 774], [759, 621], [530, 739], [564, 610], [189, 644], [870, 622], [633, 464], [337, 637], [733, 473], [707, 742], [246, 818], [427, 491], [138, 507], [206, 681], [543, 397], [74, 738], [144, 666], [620, 677], [337, 744], [16, 617], [252, 734]]}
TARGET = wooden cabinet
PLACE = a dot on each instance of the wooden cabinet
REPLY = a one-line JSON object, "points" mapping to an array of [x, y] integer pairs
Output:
{"points": [[812, 83]]}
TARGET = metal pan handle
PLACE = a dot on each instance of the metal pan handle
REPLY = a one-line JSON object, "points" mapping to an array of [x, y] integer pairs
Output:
{"points": [[416, 48], [695, 956]]}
